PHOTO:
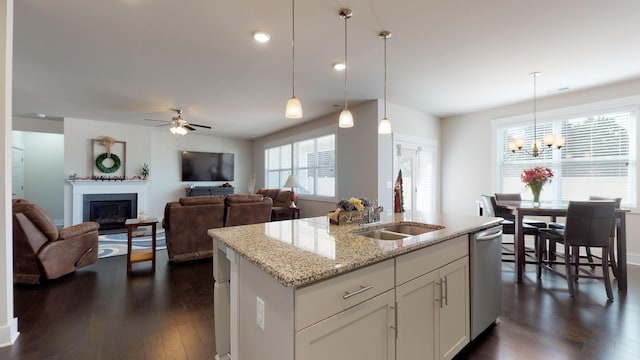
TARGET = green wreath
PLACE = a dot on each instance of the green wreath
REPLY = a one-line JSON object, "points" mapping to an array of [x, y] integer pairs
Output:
{"points": [[108, 170]]}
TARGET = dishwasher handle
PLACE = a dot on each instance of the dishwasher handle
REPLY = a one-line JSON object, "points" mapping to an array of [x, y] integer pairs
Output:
{"points": [[490, 234]]}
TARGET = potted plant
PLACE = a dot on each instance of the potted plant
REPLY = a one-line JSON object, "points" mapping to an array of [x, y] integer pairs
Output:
{"points": [[145, 171]]}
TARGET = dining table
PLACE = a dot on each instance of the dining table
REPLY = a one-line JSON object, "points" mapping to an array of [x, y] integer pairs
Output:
{"points": [[555, 209]]}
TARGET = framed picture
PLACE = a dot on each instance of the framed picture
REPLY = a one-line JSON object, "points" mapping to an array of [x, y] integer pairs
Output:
{"points": [[105, 165]]}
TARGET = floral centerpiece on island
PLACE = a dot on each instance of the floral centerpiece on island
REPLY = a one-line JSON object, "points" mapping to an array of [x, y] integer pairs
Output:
{"points": [[535, 178]]}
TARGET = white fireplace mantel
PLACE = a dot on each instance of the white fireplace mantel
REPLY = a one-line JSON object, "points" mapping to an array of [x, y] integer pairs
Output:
{"points": [[82, 187]]}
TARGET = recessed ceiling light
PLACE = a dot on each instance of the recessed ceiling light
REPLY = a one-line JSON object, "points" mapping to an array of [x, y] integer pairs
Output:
{"points": [[261, 37], [339, 66], [41, 115]]}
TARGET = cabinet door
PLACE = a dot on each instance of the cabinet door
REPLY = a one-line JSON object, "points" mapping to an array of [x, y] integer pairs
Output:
{"points": [[362, 332], [418, 313], [454, 312]]}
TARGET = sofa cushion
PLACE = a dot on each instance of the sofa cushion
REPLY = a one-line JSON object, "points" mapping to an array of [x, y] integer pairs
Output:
{"points": [[283, 199], [202, 200], [272, 193], [244, 198]]}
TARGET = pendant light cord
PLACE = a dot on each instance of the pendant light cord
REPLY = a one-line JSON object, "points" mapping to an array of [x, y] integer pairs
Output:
{"points": [[293, 47], [535, 130], [346, 68], [385, 76]]}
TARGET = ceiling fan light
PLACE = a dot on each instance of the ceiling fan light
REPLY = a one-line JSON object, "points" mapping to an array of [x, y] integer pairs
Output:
{"points": [[384, 127], [294, 109], [182, 131], [346, 119], [174, 130]]}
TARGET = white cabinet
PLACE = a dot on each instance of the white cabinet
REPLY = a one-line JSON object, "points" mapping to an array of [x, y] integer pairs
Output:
{"points": [[433, 309], [348, 317], [363, 332]]}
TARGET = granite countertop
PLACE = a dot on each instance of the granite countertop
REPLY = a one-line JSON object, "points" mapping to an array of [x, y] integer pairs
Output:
{"points": [[300, 252]]}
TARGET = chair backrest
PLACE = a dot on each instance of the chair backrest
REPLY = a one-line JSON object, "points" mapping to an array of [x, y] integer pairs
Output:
{"points": [[618, 203], [488, 208], [508, 197], [589, 222], [617, 200], [247, 209], [489, 202]]}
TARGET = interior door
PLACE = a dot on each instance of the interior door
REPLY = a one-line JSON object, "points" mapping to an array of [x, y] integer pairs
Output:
{"points": [[17, 173], [417, 162]]}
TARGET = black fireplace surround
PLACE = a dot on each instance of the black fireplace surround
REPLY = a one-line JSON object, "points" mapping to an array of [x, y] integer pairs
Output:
{"points": [[109, 210]]}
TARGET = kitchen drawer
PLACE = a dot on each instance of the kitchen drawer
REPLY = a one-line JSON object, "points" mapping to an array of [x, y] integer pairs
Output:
{"points": [[411, 265], [326, 298]]}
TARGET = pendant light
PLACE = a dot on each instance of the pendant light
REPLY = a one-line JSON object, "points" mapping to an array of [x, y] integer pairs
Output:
{"points": [[294, 108], [385, 125], [346, 118], [550, 140]]}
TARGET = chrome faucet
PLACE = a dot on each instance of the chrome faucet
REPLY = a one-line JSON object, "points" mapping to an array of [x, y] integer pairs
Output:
{"points": [[373, 213]]}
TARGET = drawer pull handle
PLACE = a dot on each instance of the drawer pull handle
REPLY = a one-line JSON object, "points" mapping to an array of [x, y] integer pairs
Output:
{"points": [[356, 292]]}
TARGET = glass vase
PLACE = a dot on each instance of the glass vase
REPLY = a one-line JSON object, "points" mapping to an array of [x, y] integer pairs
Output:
{"points": [[536, 189]]}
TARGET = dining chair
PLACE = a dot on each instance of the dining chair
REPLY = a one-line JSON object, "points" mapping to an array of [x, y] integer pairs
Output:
{"points": [[588, 224], [518, 197], [491, 208], [612, 238]]}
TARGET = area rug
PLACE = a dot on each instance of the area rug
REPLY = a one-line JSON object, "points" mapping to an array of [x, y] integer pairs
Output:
{"points": [[116, 244]]}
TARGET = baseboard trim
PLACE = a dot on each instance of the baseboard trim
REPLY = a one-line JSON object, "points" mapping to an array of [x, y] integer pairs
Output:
{"points": [[9, 333], [633, 259]]}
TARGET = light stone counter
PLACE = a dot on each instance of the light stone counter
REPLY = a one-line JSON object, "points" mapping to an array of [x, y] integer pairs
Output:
{"points": [[300, 252]]}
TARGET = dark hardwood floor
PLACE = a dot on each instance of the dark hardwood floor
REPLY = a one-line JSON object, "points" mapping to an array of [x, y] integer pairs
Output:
{"points": [[101, 313]]}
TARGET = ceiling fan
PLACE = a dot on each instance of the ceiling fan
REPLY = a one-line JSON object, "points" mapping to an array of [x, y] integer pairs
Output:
{"points": [[179, 125]]}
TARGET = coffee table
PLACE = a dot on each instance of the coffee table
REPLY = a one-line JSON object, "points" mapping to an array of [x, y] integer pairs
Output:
{"points": [[140, 255]]}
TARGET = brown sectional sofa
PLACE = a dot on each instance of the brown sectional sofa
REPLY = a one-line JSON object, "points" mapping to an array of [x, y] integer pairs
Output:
{"points": [[186, 221], [247, 209]]}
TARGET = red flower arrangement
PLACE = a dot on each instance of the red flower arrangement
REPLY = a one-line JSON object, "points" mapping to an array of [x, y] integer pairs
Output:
{"points": [[537, 174], [535, 178]]}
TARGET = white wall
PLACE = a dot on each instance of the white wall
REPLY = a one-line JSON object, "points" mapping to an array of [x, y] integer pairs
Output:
{"points": [[165, 171], [364, 158], [469, 161], [44, 172], [8, 323], [154, 146]]}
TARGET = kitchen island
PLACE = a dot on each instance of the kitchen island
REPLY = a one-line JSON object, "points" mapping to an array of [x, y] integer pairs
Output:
{"points": [[306, 289]]}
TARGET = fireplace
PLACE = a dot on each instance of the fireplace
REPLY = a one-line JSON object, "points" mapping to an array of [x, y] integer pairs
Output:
{"points": [[80, 188], [110, 210]]}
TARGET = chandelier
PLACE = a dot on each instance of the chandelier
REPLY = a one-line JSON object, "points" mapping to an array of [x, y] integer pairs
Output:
{"points": [[551, 141]]}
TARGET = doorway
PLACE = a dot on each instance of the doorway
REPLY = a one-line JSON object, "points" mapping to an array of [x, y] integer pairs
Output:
{"points": [[417, 159]]}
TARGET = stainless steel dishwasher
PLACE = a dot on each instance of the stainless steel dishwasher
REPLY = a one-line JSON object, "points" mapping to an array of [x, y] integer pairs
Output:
{"points": [[485, 276]]}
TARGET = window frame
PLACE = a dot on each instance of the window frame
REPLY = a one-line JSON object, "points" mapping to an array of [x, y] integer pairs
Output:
{"points": [[293, 141], [556, 116]]}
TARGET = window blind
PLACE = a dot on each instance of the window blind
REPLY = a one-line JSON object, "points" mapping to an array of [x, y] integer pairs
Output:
{"points": [[598, 157]]}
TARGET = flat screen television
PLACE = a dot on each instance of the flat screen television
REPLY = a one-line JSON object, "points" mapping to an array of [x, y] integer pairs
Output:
{"points": [[204, 166]]}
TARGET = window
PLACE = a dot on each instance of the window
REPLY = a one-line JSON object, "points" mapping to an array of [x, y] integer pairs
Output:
{"points": [[597, 159], [312, 160], [277, 166]]}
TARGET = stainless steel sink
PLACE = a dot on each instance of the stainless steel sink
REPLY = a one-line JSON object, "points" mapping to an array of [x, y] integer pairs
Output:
{"points": [[382, 234], [398, 231], [412, 229]]}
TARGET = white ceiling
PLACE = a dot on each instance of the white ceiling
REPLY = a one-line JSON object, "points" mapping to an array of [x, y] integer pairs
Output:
{"points": [[127, 60]]}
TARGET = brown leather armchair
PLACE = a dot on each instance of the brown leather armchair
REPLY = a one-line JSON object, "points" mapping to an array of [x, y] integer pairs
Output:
{"points": [[186, 223], [281, 198], [247, 209], [42, 252]]}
